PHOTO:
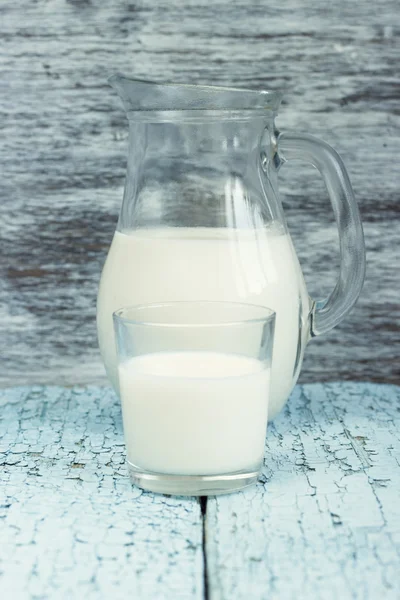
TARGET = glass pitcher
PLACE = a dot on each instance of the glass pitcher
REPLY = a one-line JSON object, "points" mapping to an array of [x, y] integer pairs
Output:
{"points": [[201, 217]]}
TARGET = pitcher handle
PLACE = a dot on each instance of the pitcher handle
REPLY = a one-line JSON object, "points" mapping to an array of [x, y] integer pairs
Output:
{"points": [[327, 313]]}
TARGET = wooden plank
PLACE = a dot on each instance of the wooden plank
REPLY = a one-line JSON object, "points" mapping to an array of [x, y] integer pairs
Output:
{"points": [[71, 525], [325, 521], [65, 141]]}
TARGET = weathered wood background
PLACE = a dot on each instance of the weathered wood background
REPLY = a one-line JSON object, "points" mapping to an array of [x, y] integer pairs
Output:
{"points": [[63, 149]]}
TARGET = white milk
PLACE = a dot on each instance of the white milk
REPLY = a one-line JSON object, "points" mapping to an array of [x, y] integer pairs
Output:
{"points": [[168, 264], [194, 413]]}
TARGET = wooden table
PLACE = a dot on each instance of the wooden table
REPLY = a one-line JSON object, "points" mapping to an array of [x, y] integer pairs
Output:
{"points": [[322, 523]]}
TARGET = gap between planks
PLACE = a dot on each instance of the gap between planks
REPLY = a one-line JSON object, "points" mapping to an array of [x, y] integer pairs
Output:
{"points": [[203, 507]]}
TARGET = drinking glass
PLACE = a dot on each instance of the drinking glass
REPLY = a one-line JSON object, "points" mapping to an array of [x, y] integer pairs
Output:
{"points": [[194, 386]]}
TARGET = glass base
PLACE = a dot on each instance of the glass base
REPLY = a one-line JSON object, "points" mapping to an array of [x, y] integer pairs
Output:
{"points": [[191, 485]]}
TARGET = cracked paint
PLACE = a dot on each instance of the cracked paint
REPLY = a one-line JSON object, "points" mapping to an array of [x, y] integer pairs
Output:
{"points": [[324, 521], [71, 524]]}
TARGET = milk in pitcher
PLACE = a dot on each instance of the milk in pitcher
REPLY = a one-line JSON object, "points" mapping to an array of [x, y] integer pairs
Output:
{"points": [[257, 266]]}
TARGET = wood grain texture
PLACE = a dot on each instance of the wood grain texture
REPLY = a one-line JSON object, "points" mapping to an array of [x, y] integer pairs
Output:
{"points": [[71, 525], [63, 155], [325, 521]]}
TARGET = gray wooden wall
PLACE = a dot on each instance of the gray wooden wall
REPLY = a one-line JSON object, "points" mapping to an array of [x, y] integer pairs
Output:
{"points": [[63, 148]]}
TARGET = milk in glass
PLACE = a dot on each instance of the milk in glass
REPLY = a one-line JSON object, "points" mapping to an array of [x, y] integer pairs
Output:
{"points": [[194, 413]]}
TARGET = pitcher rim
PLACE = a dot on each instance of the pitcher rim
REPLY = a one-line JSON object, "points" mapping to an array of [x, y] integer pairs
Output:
{"points": [[184, 97]]}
